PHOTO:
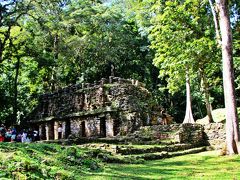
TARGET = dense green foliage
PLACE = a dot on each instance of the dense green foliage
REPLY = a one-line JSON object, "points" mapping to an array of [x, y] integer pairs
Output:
{"points": [[60, 43], [45, 45], [51, 161], [45, 161]]}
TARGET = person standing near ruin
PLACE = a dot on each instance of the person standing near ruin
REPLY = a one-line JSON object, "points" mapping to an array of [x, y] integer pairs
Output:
{"points": [[164, 117], [2, 130], [2, 133], [24, 136], [60, 131], [14, 134], [8, 135], [1, 137]]}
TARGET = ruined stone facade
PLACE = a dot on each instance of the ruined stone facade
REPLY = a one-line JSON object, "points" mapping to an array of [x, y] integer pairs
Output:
{"points": [[107, 108], [215, 134]]}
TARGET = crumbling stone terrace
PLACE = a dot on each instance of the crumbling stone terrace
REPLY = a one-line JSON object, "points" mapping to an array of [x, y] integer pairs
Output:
{"points": [[107, 108]]}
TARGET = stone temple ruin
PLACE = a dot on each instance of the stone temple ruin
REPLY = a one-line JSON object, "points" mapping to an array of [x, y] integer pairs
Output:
{"points": [[107, 108]]}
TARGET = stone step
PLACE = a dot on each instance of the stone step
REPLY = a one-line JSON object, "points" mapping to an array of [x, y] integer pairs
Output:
{"points": [[136, 150], [165, 154], [140, 158], [127, 150], [115, 140]]}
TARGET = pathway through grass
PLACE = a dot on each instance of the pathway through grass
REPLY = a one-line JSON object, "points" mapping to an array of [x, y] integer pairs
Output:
{"points": [[206, 165]]}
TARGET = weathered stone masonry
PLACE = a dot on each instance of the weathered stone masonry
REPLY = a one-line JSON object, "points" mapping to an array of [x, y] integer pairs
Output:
{"points": [[107, 108], [213, 134]]}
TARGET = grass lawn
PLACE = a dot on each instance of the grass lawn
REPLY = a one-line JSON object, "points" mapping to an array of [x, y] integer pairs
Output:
{"points": [[206, 165], [51, 161]]}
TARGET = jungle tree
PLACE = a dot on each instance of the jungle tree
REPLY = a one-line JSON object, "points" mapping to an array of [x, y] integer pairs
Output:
{"points": [[181, 34], [222, 17]]}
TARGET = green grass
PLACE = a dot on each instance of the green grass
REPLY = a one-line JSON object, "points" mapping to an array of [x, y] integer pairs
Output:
{"points": [[206, 165], [45, 161], [51, 161]]}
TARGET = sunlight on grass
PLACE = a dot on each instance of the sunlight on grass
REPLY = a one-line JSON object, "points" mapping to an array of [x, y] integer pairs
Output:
{"points": [[206, 165], [43, 161]]}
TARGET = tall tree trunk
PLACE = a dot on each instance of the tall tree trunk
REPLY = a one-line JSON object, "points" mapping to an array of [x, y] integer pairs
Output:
{"points": [[216, 23], [56, 54], [232, 127], [15, 101], [188, 114], [206, 95]]}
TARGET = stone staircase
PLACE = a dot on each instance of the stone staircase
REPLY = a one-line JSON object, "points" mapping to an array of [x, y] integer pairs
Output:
{"points": [[137, 153], [118, 151], [128, 150], [148, 143], [166, 154]]}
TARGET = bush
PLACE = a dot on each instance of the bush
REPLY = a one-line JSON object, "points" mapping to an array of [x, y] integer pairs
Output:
{"points": [[44, 161]]}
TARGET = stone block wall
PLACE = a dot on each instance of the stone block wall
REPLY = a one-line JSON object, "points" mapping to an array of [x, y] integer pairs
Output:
{"points": [[116, 93], [92, 127], [191, 133], [130, 122], [196, 134], [107, 108], [159, 132], [211, 134], [76, 126], [215, 135]]}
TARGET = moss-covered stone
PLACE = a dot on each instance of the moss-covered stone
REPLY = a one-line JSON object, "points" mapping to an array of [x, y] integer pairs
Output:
{"points": [[111, 107]]}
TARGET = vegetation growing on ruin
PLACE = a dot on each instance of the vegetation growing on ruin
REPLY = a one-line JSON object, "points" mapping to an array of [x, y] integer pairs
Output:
{"points": [[51, 161], [45, 161], [90, 40], [46, 45]]}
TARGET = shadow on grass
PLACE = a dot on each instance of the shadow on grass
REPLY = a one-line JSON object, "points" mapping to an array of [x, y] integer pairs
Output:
{"points": [[123, 174], [148, 170], [182, 167]]}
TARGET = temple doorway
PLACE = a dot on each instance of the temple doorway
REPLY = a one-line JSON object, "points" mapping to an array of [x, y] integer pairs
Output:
{"points": [[51, 130], [42, 132], [83, 128], [102, 127], [67, 128]]}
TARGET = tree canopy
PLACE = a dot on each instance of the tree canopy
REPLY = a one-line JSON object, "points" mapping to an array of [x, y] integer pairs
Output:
{"points": [[46, 45]]}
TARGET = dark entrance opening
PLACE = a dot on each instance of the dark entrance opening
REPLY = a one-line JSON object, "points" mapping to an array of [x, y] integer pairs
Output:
{"points": [[83, 128], [43, 133], [116, 126], [67, 128], [51, 130], [102, 127]]}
